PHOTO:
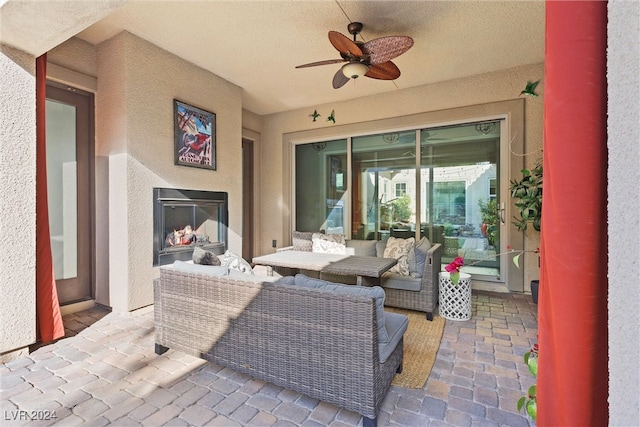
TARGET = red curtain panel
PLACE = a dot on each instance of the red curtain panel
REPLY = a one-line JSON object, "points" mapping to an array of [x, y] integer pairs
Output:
{"points": [[573, 373], [49, 319]]}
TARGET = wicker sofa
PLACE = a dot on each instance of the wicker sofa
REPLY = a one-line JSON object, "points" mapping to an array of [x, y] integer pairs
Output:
{"points": [[300, 333], [417, 291]]}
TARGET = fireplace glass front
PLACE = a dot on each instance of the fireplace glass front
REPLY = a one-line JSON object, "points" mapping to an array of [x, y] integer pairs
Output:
{"points": [[184, 219]]}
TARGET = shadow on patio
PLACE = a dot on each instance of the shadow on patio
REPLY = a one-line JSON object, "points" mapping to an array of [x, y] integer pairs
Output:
{"points": [[108, 373]]}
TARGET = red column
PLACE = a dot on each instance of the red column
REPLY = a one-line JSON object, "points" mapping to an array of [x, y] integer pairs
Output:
{"points": [[573, 372]]}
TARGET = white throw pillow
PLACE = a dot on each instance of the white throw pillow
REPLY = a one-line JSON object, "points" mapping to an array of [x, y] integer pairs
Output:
{"points": [[329, 243], [235, 262], [399, 249]]}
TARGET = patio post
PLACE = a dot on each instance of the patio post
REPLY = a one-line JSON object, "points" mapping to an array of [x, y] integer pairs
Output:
{"points": [[573, 371]]}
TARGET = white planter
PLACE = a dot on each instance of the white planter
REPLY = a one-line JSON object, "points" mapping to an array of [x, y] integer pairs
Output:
{"points": [[455, 301]]}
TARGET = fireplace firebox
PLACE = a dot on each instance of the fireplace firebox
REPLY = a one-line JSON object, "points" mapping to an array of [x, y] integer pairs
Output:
{"points": [[184, 219]]}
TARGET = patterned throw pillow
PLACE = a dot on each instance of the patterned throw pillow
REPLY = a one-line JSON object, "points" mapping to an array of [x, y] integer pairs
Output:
{"points": [[236, 262], [302, 240], [329, 243], [200, 256], [399, 249]]}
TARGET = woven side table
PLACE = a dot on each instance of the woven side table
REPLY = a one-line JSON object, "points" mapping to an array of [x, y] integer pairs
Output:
{"points": [[455, 301]]}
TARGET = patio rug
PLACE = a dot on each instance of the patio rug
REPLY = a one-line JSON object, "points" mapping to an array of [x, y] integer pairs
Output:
{"points": [[421, 343]]}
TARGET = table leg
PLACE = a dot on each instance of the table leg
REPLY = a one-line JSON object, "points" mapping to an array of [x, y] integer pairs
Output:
{"points": [[367, 281]]}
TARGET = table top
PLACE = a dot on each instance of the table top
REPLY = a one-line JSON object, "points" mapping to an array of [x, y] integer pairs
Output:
{"points": [[361, 266], [299, 259]]}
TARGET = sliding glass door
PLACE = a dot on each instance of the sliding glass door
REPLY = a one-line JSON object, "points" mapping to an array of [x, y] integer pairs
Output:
{"points": [[384, 186], [460, 204], [321, 185], [440, 182]]}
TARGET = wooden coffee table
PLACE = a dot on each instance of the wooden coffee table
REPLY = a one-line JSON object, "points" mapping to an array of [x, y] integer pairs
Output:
{"points": [[367, 269]]}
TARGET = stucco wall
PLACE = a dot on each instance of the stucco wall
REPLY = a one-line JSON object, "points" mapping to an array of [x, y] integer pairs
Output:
{"points": [[481, 89], [17, 200], [623, 74], [137, 83]]}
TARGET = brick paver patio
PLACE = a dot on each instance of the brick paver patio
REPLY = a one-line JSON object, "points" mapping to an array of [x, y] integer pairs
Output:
{"points": [[106, 372]]}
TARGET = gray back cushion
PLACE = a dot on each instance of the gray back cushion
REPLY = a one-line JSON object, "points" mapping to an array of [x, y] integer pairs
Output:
{"points": [[418, 257], [363, 247]]}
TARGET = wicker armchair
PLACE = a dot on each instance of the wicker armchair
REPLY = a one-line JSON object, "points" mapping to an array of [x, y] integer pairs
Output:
{"points": [[425, 299], [318, 342]]}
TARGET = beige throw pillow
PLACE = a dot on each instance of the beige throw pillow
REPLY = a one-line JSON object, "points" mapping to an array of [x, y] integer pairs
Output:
{"points": [[399, 249]]}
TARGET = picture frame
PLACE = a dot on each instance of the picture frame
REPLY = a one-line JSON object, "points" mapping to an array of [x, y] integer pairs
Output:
{"points": [[194, 136]]}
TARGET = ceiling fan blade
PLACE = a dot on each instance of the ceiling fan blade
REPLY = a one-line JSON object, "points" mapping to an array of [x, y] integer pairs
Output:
{"points": [[339, 79], [385, 49], [385, 71], [325, 62], [344, 45]]}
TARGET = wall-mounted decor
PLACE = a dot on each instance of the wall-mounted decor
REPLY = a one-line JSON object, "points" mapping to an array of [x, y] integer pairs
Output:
{"points": [[194, 135]]}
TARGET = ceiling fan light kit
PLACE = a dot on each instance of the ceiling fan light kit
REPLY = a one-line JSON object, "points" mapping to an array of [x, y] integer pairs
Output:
{"points": [[370, 59], [353, 70]]}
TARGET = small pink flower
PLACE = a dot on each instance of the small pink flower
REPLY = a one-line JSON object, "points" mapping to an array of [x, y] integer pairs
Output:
{"points": [[455, 265]]}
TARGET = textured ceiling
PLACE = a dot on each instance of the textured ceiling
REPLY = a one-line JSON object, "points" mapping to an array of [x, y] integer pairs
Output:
{"points": [[257, 44]]}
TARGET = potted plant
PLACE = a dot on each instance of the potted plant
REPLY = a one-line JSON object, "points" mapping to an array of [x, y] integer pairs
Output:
{"points": [[529, 401], [454, 291], [527, 192]]}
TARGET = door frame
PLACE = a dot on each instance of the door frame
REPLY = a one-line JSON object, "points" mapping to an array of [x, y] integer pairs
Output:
{"points": [[85, 149], [248, 205]]}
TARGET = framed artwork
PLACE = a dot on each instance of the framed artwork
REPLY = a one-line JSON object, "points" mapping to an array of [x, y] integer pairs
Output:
{"points": [[194, 136]]}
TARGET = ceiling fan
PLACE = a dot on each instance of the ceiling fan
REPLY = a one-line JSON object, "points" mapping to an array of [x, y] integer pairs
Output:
{"points": [[370, 59]]}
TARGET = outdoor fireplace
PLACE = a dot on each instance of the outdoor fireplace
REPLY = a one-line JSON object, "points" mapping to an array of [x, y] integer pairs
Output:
{"points": [[184, 219]]}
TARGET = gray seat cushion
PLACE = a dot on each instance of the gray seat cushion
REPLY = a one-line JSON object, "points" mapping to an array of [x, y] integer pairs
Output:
{"points": [[399, 281], [396, 325], [376, 292]]}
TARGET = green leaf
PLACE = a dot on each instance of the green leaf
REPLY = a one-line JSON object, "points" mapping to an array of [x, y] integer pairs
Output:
{"points": [[532, 409], [516, 261], [455, 278], [521, 402], [532, 363]]}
